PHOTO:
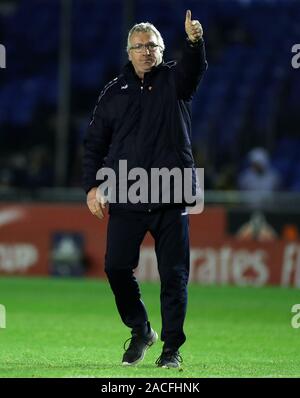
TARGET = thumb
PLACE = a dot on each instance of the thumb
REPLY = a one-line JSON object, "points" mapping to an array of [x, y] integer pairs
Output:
{"points": [[188, 16]]}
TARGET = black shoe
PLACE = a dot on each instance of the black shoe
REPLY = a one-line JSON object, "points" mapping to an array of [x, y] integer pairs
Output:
{"points": [[138, 346], [169, 358]]}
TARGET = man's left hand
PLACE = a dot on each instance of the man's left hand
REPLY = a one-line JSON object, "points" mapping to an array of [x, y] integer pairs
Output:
{"points": [[193, 27]]}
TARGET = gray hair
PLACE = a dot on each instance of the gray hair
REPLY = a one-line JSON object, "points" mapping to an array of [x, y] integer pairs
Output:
{"points": [[145, 27]]}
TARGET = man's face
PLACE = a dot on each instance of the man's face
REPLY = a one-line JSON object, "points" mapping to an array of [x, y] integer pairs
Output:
{"points": [[144, 59]]}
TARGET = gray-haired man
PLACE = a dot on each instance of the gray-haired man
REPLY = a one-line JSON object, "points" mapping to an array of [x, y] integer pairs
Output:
{"points": [[144, 117]]}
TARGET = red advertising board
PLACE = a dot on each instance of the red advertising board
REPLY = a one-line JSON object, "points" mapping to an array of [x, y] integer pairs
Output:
{"points": [[27, 240]]}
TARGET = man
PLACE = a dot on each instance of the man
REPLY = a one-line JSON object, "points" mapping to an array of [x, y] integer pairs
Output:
{"points": [[144, 117]]}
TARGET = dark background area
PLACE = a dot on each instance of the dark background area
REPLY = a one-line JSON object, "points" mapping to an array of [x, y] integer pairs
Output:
{"points": [[248, 98]]}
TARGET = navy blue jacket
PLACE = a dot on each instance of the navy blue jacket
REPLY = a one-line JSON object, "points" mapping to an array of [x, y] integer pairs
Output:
{"points": [[149, 123]]}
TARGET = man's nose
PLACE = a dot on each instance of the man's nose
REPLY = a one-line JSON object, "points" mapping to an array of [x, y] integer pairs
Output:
{"points": [[146, 49]]}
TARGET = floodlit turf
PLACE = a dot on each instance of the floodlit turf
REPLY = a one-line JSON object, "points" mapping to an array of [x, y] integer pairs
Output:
{"points": [[70, 328]]}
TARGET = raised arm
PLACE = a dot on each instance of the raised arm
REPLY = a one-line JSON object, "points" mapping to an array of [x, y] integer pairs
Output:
{"points": [[193, 64]]}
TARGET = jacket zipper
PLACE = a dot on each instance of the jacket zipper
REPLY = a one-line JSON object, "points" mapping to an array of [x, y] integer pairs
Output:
{"points": [[135, 147]]}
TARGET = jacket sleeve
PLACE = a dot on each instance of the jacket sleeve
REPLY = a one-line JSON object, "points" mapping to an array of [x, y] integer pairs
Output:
{"points": [[95, 146], [190, 69]]}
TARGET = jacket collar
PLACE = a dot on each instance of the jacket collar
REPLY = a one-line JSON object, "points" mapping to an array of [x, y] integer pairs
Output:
{"points": [[129, 73]]}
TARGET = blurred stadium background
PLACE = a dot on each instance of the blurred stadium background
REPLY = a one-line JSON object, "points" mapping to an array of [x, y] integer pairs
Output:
{"points": [[60, 54], [246, 134]]}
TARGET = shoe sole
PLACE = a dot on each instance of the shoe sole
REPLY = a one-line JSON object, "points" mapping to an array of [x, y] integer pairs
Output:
{"points": [[153, 341], [170, 366]]}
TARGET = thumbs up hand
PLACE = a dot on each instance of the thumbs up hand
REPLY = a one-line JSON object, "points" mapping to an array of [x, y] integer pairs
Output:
{"points": [[193, 28]]}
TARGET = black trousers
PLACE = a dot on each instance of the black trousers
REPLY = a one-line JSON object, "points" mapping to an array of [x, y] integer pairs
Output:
{"points": [[170, 230]]}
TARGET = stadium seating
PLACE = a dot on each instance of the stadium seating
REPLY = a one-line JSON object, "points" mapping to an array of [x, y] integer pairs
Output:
{"points": [[249, 75]]}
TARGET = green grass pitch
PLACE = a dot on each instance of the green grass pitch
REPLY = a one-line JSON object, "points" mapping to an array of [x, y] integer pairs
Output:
{"points": [[70, 328]]}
